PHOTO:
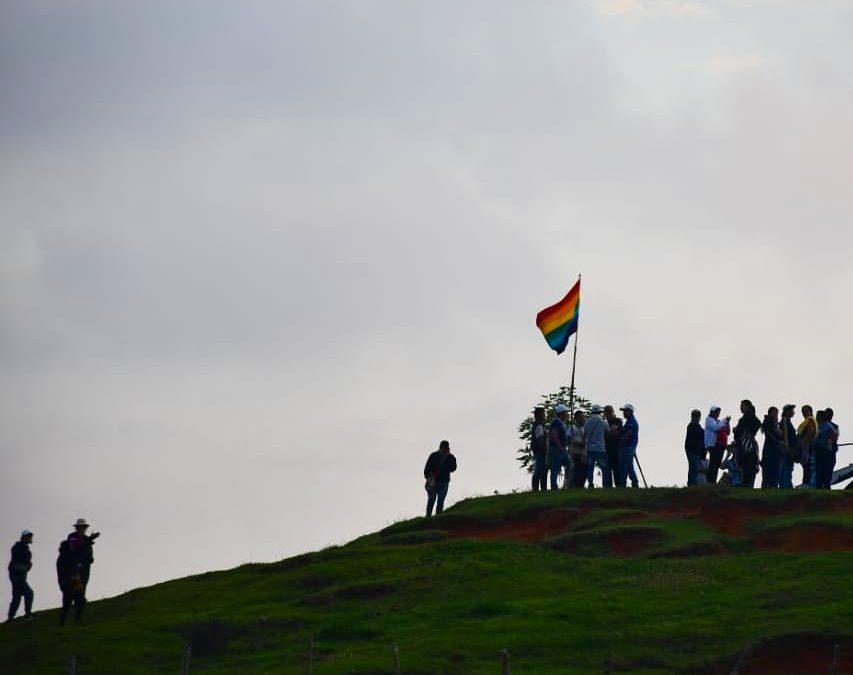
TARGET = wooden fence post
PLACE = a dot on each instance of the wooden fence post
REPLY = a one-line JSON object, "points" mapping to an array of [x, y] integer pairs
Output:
{"points": [[395, 653], [309, 662], [836, 658], [186, 659], [505, 667]]}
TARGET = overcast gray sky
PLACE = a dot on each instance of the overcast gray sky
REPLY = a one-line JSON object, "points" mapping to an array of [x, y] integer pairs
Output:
{"points": [[257, 259]]}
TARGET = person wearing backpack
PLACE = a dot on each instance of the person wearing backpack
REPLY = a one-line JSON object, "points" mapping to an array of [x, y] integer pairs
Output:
{"points": [[19, 566], [70, 583], [439, 465], [746, 454]]}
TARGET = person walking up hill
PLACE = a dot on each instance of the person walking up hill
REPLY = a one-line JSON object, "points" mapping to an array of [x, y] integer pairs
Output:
{"points": [[19, 566], [439, 465]]}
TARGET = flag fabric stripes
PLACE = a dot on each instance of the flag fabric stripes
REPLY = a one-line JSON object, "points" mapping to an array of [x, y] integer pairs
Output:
{"points": [[560, 320]]}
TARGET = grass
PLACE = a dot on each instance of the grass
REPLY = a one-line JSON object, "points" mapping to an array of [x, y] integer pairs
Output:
{"points": [[687, 601]]}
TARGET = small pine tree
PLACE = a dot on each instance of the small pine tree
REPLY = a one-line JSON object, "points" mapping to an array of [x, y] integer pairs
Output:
{"points": [[549, 402]]}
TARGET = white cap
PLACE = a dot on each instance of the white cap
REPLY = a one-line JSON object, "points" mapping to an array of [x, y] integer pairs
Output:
{"points": [[559, 409], [628, 407], [715, 407], [25, 533], [596, 409], [81, 522]]}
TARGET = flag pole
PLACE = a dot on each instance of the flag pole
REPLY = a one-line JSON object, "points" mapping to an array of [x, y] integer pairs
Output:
{"points": [[574, 362]]}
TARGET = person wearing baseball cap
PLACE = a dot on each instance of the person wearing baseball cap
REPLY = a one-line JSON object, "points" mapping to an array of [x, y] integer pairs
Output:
{"points": [[558, 447], [19, 566], [714, 429], [628, 448]]}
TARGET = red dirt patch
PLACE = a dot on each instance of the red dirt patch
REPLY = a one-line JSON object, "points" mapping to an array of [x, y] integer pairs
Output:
{"points": [[533, 530], [629, 543], [806, 538]]}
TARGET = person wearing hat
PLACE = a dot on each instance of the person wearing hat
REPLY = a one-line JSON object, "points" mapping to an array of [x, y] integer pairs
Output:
{"points": [[80, 548], [539, 450], [19, 566], [628, 448], [790, 447], [595, 432], [694, 447], [558, 446], [716, 439]]}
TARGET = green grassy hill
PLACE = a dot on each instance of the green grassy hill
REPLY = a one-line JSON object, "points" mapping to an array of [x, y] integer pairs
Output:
{"points": [[656, 581]]}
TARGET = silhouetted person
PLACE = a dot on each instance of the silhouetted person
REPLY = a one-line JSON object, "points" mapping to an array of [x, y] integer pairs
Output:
{"points": [[19, 566], [80, 545], [806, 434], [694, 446], [790, 447], [577, 448], [628, 447], [70, 583], [715, 441], [746, 446], [558, 446], [539, 448], [439, 465], [611, 441], [771, 454], [825, 447]]}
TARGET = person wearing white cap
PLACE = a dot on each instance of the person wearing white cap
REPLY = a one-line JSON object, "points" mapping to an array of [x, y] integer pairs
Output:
{"points": [[628, 448], [714, 428], [558, 443], [19, 566]]}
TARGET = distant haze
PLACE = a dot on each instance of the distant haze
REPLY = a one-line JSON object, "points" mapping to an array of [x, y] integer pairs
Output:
{"points": [[257, 259]]}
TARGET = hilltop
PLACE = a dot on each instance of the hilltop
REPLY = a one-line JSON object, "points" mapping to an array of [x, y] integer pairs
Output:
{"points": [[686, 581]]}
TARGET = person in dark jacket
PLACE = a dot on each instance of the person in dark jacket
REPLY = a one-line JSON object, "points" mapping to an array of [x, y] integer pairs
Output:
{"points": [[746, 452], [539, 449], [19, 566], [790, 447], [771, 455], [694, 446], [70, 583], [80, 546], [439, 465], [611, 441]]}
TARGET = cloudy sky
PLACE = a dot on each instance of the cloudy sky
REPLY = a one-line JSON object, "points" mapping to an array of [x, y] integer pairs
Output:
{"points": [[258, 258]]}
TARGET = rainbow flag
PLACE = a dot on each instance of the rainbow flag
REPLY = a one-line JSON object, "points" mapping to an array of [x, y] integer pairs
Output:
{"points": [[559, 321]]}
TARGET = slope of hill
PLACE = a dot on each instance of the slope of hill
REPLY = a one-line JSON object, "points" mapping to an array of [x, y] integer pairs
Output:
{"points": [[642, 581]]}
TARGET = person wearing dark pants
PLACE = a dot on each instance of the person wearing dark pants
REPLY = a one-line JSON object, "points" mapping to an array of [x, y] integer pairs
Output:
{"points": [[715, 430], [611, 441], [628, 448], [824, 451], [746, 452], [19, 566], [80, 549], [539, 450], [70, 584], [439, 465], [771, 458], [694, 446]]}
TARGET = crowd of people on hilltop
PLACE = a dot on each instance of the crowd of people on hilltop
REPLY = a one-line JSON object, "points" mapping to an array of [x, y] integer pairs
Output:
{"points": [[813, 444], [73, 567], [574, 448]]}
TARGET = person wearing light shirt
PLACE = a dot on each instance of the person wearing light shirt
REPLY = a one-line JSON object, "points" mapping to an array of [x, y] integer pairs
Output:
{"points": [[713, 425]]}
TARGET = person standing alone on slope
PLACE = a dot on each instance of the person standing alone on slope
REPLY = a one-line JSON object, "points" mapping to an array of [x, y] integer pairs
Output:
{"points": [[439, 465]]}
